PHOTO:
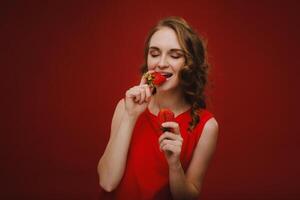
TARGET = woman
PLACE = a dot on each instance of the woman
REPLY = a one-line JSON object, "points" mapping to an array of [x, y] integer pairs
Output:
{"points": [[142, 162]]}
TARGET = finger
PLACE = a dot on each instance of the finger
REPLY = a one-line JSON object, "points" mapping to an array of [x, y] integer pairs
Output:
{"points": [[135, 91], [171, 148], [143, 95], [173, 125], [170, 142], [143, 80], [148, 93], [167, 135], [137, 98], [131, 93]]}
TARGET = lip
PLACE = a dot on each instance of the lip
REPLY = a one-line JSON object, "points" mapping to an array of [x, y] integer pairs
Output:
{"points": [[166, 74]]}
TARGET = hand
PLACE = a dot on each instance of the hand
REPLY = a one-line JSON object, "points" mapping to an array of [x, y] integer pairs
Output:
{"points": [[171, 143], [137, 98]]}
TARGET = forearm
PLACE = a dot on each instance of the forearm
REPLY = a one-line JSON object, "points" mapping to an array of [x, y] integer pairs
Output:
{"points": [[180, 187], [112, 164]]}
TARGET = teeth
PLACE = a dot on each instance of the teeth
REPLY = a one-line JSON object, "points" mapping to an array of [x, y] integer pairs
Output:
{"points": [[167, 75]]}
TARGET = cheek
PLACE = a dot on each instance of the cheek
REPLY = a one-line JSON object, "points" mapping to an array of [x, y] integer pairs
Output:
{"points": [[177, 66], [150, 63]]}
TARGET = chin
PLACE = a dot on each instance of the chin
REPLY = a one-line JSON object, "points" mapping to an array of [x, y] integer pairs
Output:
{"points": [[171, 84], [166, 88]]}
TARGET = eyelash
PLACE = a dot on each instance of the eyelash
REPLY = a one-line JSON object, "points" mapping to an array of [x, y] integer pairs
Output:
{"points": [[175, 57]]}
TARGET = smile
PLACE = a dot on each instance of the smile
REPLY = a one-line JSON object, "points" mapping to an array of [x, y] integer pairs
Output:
{"points": [[167, 74]]}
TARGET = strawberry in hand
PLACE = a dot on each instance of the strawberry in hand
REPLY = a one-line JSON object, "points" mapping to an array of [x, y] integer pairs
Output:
{"points": [[155, 79], [165, 115]]}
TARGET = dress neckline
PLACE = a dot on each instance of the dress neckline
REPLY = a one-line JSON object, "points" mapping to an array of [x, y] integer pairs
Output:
{"points": [[176, 117]]}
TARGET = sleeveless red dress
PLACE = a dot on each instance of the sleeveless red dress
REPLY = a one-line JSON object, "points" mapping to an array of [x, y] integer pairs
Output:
{"points": [[146, 175]]}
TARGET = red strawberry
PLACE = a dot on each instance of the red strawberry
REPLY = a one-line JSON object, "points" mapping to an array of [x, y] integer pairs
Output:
{"points": [[165, 115], [158, 78], [155, 79]]}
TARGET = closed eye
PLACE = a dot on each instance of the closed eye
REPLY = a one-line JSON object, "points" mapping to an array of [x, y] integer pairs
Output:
{"points": [[154, 53], [176, 56]]}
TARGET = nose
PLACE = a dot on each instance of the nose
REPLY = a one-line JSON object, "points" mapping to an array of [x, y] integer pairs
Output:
{"points": [[163, 63]]}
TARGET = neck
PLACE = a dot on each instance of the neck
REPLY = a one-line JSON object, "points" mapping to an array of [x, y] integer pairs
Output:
{"points": [[171, 99]]}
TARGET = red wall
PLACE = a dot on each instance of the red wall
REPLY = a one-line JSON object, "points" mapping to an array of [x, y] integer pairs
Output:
{"points": [[65, 65]]}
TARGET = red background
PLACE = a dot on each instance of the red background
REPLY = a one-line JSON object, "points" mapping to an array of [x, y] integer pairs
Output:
{"points": [[64, 66]]}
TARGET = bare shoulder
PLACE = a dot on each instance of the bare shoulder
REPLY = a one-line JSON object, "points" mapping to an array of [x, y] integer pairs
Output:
{"points": [[211, 127], [209, 135], [118, 115]]}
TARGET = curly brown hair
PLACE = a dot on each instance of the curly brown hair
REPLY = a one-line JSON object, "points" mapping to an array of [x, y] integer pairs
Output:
{"points": [[194, 76]]}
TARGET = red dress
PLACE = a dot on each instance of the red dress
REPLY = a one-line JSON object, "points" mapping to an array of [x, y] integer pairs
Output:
{"points": [[146, 174]]}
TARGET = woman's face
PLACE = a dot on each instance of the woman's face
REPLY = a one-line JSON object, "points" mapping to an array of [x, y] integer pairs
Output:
{"points": [[166, 56]]}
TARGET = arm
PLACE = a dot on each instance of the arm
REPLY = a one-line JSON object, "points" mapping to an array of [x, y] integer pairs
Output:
{"points": [[187, 186], [112, 164]]}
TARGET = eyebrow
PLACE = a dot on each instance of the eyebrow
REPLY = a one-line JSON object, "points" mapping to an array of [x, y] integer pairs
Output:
{"points": [[172, 50]]}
